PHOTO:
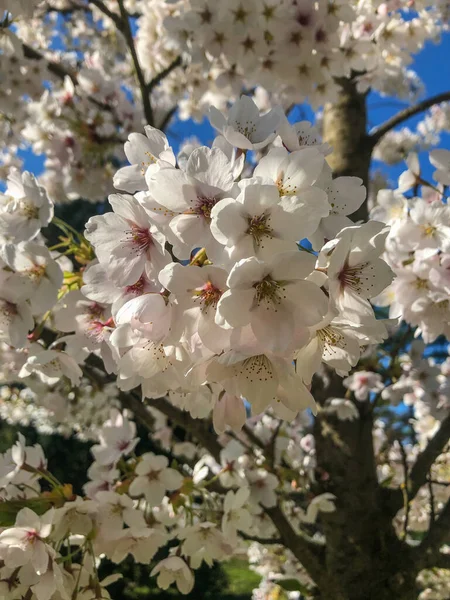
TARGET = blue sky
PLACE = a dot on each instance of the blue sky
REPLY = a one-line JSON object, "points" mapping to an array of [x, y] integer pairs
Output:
{"points": [[432, 65]]}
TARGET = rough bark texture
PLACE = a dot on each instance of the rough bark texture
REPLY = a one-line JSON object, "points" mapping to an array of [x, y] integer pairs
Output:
{"points": [[365, 559], [345, 129]]}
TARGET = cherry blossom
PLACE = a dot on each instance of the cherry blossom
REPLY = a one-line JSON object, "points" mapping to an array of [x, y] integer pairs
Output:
{"points": [[245, 128], [154, 478]]}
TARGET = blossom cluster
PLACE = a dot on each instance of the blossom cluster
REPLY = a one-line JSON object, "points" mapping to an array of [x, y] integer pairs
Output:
{"points": [[234, 298], [418, 245], [192, 55], [395, 146], [131, 506], [300, 49]]}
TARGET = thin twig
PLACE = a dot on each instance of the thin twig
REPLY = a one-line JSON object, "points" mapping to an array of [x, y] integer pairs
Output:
{"points": [[164, 73], [167, 118], [106, 11]]}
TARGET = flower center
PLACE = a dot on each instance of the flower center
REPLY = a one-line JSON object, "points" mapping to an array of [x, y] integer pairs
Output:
{"points": [[36, 273], [247, 129], [429, 230], [258, 228], [30, 211], [95, 311], [352, 277], [204, 206], [329, 337], [153, 475], [31, 536], [421, 284], [140, 238], [137, 288], [209, 295], [304, 19], [269, 292], [284, 187], [257, 368]]}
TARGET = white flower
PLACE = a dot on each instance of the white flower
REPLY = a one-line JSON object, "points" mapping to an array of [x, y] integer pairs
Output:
{"points": [[115, 510], [274, 298], [174, 569], [126, 241], [51, 365], [322, 503], [301, 135], [74, 518], [262, 487], [344, 409], [345, 196], [433, 221], [204, 542], [197, 291], [25, 208], [34, 262], [391, 205], [117, 438], [262, 379], [256, 223], [25, 542], [245, 128], [145, 153], [154, 478], [362, 383], [355, 271], [410, 178], [260, 223], [440, 159], [141, 542], [334, 342], [236, 516], [16, 319], [295, 175], [191, 195]]}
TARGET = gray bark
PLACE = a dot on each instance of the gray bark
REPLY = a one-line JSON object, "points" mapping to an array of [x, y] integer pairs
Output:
{"points": [[364, 558]]}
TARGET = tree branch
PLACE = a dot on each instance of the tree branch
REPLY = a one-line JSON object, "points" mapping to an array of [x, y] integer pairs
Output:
{"points": [[164, 73], [56, 68], [167, 118], [421, 468], [106, 11], [122, 23], [406, 114], [128, 34], [309, 553], [264, 541]]}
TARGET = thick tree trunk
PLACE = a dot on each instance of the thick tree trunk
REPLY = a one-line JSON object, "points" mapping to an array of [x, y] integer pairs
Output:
{"points": [[345, 129], [365, 559]]}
